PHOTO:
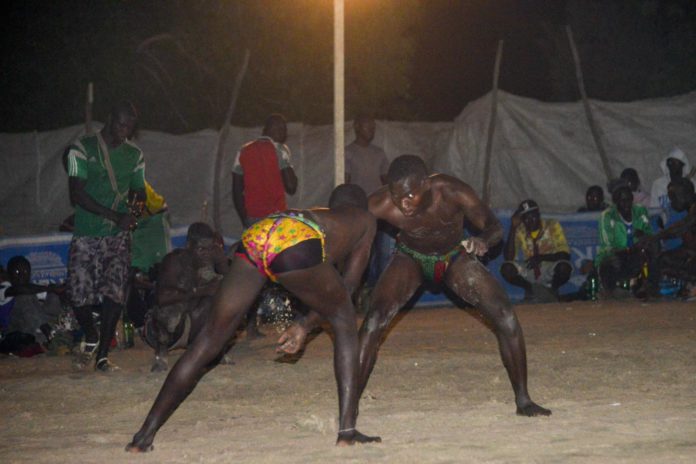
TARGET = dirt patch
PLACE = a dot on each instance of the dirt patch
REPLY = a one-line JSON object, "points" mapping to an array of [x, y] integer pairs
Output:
{"points": [[620, 378]]}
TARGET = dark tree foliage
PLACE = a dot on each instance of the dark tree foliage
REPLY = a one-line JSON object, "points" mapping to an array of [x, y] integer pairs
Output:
{"points": [[405, 59]]}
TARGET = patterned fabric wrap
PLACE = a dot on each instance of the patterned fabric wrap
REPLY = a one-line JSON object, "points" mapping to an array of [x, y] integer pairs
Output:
{"points": [[432, 266], [272, 235], [98, 267]]}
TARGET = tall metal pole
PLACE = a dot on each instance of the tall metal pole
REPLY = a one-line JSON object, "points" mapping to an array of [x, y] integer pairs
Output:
{"points": [[339, 97]]}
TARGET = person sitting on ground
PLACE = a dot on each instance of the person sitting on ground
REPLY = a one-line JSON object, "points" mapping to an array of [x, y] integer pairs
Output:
{"points": [[640, 197], [36, 308], [301, 250], [622, 254], [594, 200], [545, 250], [187, 280], [681, 262], [674, 166], [6, 302]]}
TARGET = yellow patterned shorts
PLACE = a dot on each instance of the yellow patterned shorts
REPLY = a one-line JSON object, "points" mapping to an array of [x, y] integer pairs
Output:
{"points": [[272, 235]]}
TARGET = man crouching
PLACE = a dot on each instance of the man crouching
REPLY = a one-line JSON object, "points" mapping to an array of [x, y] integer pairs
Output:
{"points": [[187, 280]]}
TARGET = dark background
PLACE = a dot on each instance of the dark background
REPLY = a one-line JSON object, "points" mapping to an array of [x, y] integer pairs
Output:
{"points": [[412, 60]]}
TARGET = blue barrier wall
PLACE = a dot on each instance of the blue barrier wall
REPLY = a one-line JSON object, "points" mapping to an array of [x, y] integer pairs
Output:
{"points": [[48, 254]]}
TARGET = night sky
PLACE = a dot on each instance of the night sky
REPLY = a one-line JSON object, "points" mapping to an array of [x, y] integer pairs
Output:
{"points": [[413, 60]]}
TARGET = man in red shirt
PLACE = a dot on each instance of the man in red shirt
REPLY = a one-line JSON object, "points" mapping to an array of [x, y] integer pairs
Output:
{"points": [[262, 174]]}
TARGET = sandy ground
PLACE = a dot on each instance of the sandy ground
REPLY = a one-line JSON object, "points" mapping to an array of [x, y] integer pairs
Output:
{"points": [[620, 378]]}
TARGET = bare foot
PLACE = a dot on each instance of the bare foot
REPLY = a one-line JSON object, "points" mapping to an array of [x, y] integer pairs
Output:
{"points": [[133, 448], [159, 365], [139, 444], [532, 409], [352, 437]]}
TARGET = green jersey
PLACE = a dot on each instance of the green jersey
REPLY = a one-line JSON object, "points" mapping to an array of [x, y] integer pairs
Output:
{"points": [[612, 230], [90, 159]]}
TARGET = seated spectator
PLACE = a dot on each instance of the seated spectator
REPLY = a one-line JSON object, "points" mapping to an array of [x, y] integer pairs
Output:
{"points": [[640, 197], [624, 248], [594, 200], [6, 302], [30, 314], [681, 262], [546, 264], [187, 280], [674, 166]]}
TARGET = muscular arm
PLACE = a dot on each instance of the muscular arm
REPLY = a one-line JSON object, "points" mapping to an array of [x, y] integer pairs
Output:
{"points": [[79, 196], [289, 180], [477, 213], [357, 259], [238, 197]]}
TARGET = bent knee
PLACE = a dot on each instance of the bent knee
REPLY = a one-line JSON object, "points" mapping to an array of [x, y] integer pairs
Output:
{"points": [[508, 271], [378, 320], [564, 268], [506, 323]]}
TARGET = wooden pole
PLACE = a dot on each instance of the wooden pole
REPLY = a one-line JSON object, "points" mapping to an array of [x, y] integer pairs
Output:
{"points": [[491, 127], [586, 104], [88, 108], [224, 132], [339, 97]]}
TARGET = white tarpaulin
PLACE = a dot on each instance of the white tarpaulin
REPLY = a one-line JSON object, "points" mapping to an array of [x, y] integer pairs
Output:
{"points": [[540, 150], [34, 191], [545, 151]]}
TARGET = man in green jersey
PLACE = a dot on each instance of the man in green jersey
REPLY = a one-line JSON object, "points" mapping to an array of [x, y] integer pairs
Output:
{"points": [[103, 168]]}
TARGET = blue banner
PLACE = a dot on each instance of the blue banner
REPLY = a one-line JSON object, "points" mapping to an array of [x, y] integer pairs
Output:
{"points": [[48, 254]]}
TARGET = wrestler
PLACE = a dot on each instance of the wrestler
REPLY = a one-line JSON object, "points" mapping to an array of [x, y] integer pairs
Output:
{"points": [[430, 212], [187, 279], [300, 250]]}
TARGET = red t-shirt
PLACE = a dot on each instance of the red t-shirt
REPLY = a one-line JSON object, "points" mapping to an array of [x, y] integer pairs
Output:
{"points": [[264, 192]]}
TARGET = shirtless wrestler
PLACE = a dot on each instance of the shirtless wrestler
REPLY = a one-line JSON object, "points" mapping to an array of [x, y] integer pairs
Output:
{"points": [[300, 250]]}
